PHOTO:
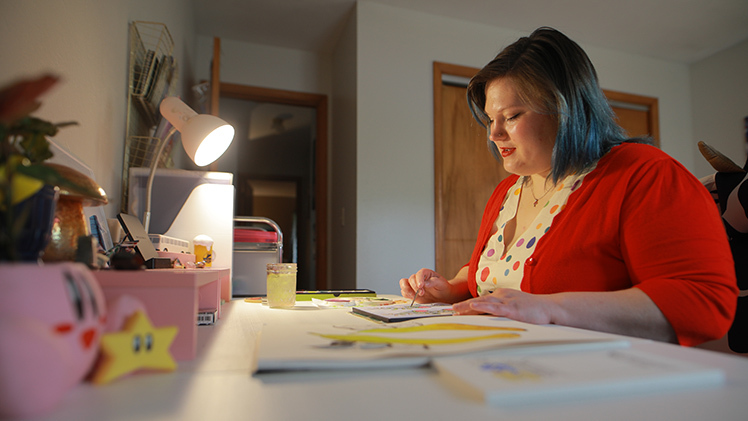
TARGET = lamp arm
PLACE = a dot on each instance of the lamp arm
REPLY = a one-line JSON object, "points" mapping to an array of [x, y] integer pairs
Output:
{"points": [[151, 176]]}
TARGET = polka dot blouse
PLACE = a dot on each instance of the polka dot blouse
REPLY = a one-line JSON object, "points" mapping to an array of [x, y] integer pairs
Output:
{"points": [[503, 267]]}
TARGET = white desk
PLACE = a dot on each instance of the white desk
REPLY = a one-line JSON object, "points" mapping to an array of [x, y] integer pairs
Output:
{"points": [[218, 385]]}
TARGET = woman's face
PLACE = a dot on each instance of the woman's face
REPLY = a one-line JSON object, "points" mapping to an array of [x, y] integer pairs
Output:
{"points": [[525, 138]]}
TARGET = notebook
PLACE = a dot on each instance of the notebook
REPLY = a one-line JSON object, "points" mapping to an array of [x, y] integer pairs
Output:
{"points": [[505, 380]]}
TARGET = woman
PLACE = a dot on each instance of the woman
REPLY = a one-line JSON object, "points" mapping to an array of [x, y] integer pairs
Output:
{"points": [[591, 230]]}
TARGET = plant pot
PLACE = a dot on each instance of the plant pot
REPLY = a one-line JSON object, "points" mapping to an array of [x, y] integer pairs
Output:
{"points": [[69, 220], [52, 317], [36, 214], [68, 224]]}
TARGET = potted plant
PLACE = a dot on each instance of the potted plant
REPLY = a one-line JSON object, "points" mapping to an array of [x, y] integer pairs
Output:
{"points": [[51, 315], [28, 187]]}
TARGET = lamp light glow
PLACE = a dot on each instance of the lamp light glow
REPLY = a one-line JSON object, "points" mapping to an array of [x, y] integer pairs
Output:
{"points": [[205, 138], [214, 145]]}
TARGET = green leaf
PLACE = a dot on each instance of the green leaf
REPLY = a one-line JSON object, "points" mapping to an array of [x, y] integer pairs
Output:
{"points": [[50, 176], [36, 148], [29, 125]]}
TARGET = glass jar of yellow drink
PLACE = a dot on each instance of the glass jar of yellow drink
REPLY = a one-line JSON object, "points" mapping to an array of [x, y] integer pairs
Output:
{"points": [[281, 285]]}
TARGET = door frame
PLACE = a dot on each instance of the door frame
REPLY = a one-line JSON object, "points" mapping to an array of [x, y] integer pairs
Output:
{"points": [[319, 103]]}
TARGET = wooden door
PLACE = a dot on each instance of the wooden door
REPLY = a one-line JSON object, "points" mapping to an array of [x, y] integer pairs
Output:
{"points": [[465, 172], [637, 114]]}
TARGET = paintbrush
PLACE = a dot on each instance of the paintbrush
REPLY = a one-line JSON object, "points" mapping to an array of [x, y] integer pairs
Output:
{"points": [[415, 296]]}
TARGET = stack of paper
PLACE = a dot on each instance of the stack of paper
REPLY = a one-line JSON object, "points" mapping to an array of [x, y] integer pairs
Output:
{"points": [[358, 343], [521, 380]]}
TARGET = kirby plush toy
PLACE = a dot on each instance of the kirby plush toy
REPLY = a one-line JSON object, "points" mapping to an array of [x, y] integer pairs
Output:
{"points": [[729, 186], [51, 321]]}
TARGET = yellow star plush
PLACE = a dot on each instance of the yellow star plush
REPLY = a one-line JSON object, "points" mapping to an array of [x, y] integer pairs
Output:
{"points": [[138, 346]]}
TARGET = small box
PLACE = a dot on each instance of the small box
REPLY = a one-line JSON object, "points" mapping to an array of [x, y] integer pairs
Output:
{"points": [[172, 297]]}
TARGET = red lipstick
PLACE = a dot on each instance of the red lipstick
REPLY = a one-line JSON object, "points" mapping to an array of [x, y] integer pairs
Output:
{"points": [[506, 151]]}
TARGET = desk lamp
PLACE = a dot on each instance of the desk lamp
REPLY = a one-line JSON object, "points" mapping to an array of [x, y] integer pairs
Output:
{"points": [[205, 138]]}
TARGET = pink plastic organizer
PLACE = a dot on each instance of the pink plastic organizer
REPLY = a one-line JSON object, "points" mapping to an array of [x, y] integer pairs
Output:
{"points": [[172, 297]]}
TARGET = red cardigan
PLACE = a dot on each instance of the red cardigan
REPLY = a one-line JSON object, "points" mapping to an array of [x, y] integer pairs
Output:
{"points": [[639, 219]]}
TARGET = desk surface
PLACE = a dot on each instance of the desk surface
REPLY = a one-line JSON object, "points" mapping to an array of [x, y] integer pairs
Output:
{"points": [[218, 384]]}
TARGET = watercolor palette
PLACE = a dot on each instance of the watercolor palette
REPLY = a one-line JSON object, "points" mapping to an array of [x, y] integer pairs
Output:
{"points": [[402, 312]]}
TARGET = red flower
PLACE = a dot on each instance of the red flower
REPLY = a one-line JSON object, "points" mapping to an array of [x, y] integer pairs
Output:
{"points": [[20, 98]]}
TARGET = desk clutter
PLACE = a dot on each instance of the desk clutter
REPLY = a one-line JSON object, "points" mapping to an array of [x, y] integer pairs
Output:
{"points": [[361, 343], [503, 362], [533, 372]]}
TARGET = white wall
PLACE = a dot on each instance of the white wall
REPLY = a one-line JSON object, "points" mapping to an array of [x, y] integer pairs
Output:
{"points": [[666, 81], [720, 103], [85, 42], [270, 67], [396, 48], [343, 180]]}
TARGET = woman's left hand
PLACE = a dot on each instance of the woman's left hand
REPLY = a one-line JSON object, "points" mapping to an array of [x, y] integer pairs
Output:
{"points": [[510, 303], [627, 311]]}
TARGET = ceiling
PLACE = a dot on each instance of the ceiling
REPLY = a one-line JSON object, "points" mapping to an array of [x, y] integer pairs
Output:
{"points": [[675, 30]]}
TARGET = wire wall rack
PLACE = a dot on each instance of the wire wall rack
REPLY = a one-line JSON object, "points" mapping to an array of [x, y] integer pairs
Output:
{"points": [[152, 76]]}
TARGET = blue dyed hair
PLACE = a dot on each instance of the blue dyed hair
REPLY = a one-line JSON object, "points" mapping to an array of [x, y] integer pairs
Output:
{"points": [[554, 76]]}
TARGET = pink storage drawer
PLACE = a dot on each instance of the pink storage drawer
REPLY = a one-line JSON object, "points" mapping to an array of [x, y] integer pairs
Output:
{"points": [[253, 235]]}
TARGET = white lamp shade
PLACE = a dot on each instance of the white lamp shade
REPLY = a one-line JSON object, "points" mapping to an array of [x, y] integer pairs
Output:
{"points": [[204, 137]]}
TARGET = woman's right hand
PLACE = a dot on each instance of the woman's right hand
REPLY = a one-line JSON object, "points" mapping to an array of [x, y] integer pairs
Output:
{"points": [[430, 287]]}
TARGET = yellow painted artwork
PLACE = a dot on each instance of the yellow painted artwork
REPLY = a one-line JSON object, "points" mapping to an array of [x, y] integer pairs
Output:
{"points": [[357, 342], [392, 335], [139, 345]]}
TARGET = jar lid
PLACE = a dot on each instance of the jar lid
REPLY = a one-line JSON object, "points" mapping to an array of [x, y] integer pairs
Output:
{"points": [[281, 267]]}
